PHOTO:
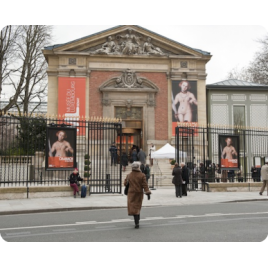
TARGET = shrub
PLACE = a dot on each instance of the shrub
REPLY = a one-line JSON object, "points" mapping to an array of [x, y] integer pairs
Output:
{"points": [[87, 175]]}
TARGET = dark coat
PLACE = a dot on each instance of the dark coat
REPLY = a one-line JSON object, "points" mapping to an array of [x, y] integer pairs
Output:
{"points": [[185, 174], [113, 150], [137, 183], [124, 159], [74, 178], [147, 172], [202, 171], [177, 179], [134, 156]]}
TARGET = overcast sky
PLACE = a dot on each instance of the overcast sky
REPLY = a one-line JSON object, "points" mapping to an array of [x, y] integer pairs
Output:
{"points": [[230, 46], [228, 30]]}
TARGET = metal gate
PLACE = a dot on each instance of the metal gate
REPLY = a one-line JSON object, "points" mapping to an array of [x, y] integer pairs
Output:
{"points": [[106, 177]]}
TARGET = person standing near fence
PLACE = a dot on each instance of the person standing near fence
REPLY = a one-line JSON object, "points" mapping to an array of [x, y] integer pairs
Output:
{"points": [[113, 151], [264, 176], [177, 180], [202, 175], [185, 178]]}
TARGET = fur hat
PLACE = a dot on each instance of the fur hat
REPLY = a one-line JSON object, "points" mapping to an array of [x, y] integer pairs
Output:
{"points": [[135, 166]]}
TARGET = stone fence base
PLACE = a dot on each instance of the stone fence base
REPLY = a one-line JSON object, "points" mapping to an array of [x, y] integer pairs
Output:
{"points": [[10, 193], [234, 187]]}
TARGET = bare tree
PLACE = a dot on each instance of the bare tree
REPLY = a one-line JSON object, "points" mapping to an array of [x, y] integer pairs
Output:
{"points": [[28, 80], [257, 71]]}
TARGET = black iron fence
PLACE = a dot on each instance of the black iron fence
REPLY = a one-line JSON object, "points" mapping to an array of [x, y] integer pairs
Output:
{"points": [[23, 147], [203, 151]]}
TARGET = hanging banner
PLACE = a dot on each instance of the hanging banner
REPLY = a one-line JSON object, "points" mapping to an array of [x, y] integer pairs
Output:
{"points": [[184, 104], [72, 100], [61, 148], [229, 152]]}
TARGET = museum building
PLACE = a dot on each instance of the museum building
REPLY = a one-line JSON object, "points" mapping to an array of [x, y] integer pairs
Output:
{"points": [[129, 72]]}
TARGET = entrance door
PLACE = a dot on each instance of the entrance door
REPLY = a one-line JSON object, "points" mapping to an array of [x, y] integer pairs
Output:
{"points": [[130, 137]]}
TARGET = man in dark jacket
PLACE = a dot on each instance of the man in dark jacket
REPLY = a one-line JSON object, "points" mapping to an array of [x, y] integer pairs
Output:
{"points": [[113, 151], [177, 180], [185, 178]]}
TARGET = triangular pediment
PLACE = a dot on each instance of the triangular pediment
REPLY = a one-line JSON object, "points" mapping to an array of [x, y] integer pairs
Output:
{"points": [[128, 40]]}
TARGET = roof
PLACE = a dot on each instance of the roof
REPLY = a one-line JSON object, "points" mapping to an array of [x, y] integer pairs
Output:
{"points": [[59, 45], [235, 83]]}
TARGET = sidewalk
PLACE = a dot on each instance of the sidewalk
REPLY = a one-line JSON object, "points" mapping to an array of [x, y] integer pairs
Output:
{"points": [[159, 197]]}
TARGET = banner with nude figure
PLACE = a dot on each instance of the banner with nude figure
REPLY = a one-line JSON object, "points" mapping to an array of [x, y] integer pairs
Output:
{"points": [[61, 148], [184, 104], [229, 152]]}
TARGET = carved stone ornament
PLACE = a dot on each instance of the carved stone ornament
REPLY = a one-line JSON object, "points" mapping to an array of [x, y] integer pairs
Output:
{"points": [[129, 43], [129, 103], [129, 80], [106, 102]]}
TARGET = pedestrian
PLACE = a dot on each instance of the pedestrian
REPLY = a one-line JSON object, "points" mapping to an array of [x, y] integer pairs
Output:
{"points": [[124, 160], [254, 174], [264, 176], [151, 150], [137, 188], [134, 155], [147, 172], [142, 168], [177, 180], [185, 178], [202, 175], [113, 151], [74, 181], [218, 172], [142, 156]]}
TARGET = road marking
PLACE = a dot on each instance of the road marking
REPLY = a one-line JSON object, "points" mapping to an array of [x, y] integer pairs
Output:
{"points": [[121, 220], [86, 222], [64, 230], [103, 227], [21, 233], [153, 218], [146, 219]]}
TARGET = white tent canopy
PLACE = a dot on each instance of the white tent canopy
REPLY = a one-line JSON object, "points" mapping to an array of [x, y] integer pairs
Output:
{"points": [[167, 151]]}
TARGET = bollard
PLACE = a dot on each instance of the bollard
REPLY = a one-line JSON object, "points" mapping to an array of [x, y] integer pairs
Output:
{"points": [[152, 188]]}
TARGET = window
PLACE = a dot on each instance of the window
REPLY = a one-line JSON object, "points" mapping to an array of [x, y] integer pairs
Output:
{"points": [[239, 116]]}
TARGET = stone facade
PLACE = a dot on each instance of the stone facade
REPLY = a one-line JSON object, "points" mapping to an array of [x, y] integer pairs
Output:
{"points": [[131, 67]]}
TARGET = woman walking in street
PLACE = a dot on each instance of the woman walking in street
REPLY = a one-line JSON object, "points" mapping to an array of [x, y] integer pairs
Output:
{"points": [[177, 180], [137, 187]]}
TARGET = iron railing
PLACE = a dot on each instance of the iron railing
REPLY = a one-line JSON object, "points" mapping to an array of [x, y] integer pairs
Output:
{"points": [[23, 147], [195, 145]]}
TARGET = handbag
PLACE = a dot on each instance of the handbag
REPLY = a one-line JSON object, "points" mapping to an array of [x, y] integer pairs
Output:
{"points": [[126, 187]]}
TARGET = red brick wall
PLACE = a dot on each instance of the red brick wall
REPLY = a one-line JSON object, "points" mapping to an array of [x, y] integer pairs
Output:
{"points": [[97, 78], [161, 108]]}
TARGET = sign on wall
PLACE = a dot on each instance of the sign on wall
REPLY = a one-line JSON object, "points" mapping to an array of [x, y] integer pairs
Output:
{"points": [[184, 104], [61, 148], [71, 99], [229, 152]]}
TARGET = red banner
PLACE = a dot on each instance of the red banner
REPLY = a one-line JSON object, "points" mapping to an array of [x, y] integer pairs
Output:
{"points": [[72, 99]]}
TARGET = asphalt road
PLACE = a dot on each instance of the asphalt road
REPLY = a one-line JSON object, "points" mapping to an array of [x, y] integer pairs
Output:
{"points": [[226, 222]]}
